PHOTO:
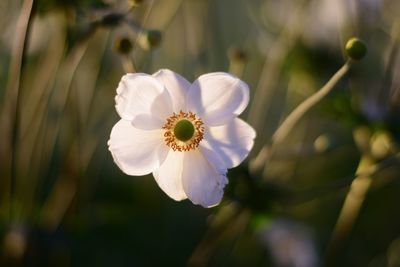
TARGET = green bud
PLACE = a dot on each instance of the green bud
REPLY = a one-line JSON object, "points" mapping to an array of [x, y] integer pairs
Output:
{"points": [[356, 49], [184, 130], [123, 45], [154, 38], [150, 39]]}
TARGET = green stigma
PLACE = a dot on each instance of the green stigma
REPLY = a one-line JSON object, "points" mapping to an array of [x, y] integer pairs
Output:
{"points": [[184, 130]]}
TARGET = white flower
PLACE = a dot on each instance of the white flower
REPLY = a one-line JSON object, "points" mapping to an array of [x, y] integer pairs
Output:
{"points": [[187, 135]]}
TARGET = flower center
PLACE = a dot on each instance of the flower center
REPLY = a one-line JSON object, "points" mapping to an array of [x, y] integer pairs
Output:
{"points": [[183, 131]]}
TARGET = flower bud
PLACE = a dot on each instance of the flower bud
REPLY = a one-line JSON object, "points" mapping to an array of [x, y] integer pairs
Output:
{"points": [[356, 49], [150, 39], [123, 45]]}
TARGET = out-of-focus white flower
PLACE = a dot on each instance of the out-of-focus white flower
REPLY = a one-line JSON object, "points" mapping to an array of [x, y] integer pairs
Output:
{"points": [[290, 244], [187, 135], [328, 19]]}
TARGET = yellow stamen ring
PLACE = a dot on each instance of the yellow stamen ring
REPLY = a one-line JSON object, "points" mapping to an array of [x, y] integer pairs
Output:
{"points": [[183, 131]]}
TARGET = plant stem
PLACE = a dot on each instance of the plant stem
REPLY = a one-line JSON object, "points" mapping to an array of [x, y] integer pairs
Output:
{"points": [[271, 70], [10, 112], [352, 205], [283, 130], [301, 109]]}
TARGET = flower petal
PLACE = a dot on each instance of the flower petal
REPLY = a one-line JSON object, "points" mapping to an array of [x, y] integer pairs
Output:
{"points": [[135, 151], [202, 182], [217, 97], [169, 175], [147, 122], [176, 85], [232, 142], [139, 93]]}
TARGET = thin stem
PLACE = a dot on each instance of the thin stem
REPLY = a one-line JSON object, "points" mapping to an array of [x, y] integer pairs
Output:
{"points": [[146, 16], [283, 130], [63, 88], [128, 64], [34, 110], [271, 70], [81, 152], [301, 109], [310, 194], [10, 111], [225, 226], [237, 68], [172, 16], [352, 205], [391, 64]]}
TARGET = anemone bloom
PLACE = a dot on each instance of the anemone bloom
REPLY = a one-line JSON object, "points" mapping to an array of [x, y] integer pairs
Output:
{"points": [[187, 135]]}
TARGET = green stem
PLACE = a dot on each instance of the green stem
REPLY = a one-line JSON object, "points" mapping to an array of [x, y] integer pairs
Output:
{"points": [[301, 109], [283, 130]]}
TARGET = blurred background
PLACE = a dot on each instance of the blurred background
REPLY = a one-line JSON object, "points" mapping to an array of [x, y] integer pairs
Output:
{"points": [[328, 195]]}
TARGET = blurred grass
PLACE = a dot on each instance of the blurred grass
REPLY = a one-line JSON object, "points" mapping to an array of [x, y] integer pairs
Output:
{"points": [[69, 205]]}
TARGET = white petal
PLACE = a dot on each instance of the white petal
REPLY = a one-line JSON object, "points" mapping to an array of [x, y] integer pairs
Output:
{"points": [[169, 175], [140, 93], [213, 158], [202, 182], [135, 151], [232, 142], [147, 122], [217, 97], [176, 85]]}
